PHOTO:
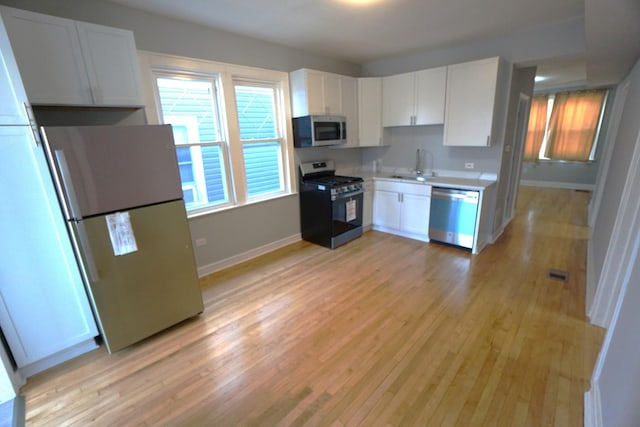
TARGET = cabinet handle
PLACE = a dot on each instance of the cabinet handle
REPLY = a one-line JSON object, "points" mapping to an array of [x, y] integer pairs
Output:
{"points": [[488, 139]]}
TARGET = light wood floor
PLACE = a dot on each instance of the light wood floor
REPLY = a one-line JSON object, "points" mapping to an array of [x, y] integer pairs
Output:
{"points": [[384, 331]]}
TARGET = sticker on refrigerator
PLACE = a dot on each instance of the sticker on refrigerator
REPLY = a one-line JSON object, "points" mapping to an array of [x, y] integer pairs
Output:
{"points": [[351, 210], [123, 240]]}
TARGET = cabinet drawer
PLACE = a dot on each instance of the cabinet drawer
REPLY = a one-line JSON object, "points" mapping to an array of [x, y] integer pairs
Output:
{"points": [[403, 187]]}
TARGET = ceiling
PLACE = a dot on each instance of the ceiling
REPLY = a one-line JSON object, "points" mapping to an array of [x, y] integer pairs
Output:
{"points": [[359, 33]]}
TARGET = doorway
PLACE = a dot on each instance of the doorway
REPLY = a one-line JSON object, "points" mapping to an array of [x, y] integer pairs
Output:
{"points": [[515, 161]]}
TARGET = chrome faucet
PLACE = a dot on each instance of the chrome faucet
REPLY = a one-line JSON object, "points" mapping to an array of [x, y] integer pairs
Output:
{"points": [[419, 156]]}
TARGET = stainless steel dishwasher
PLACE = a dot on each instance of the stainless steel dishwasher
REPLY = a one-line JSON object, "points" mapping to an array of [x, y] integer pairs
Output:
{"points": [[453, 216]]}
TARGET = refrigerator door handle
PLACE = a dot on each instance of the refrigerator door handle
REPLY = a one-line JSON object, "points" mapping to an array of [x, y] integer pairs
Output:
{"points": [[89, 262], [71, 207]]}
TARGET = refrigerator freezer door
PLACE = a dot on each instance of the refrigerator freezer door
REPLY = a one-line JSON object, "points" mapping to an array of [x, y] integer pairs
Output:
{"points": [[145, 291], [102, 169]]}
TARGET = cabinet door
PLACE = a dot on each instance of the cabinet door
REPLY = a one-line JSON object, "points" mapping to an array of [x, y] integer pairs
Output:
{"points": [[386, 209], [431, 86], [349, 95], [112, 64], [471, 91], [332, 84], [12, 111], [398, 100], [415, 214], [44, 307], [49, 58], [370, 111], [367, 208]]}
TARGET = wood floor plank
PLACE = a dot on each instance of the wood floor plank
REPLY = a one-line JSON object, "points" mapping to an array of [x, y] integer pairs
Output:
{"points": [[383, 331]]}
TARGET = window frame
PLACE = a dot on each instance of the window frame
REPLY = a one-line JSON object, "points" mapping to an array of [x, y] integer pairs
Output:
{"points": [[280, 128], [153, 64], [596, 140]]}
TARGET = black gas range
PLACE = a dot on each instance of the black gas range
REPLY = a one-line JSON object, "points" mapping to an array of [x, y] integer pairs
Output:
{"points": [[330, 205]]}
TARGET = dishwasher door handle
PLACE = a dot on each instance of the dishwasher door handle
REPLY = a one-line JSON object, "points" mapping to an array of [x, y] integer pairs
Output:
{"points": [[468, 196]]}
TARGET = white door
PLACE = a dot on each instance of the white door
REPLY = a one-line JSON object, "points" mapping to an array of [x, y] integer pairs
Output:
{"points": [[471, 91], [398, 100], [49, 57], [349, 95], [12, 107], [370, 111], [415, 214], [431, 86], [333, 94], [43, 305], [112, 64], [386, 209]]}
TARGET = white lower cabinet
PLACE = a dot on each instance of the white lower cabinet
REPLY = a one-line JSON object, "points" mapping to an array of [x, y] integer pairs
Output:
{"points": [[402, 208]]}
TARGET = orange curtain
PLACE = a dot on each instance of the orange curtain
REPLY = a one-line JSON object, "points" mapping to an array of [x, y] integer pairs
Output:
{"points": [[537, 126], [573, 125]]}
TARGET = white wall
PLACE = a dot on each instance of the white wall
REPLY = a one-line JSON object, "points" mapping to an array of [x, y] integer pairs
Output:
{"points": [[563, 40], [156, 33], [617, 174], [615, 385]]}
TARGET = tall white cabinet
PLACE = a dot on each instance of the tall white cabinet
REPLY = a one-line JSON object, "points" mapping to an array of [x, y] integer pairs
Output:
{"points": [[66, 62], [471, 100], [44, 310]]}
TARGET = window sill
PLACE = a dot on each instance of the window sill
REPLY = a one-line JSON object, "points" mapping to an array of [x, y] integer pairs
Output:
{"points": [[215, 210], [559, 162]]}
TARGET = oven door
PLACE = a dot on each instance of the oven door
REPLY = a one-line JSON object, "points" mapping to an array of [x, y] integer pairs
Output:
{"points": [[346, 218]]}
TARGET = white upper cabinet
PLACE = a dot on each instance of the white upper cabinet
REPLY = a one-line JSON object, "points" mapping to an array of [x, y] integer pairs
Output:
{"points": [[14, 99], [112, 64], [398, 100], [416, 98], [317, 92], [430, 96], [370, 111], [349, 106], [471, 95], [64, 62]]}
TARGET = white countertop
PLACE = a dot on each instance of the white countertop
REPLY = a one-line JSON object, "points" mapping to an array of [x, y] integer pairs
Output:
{"points": [[444, 181]]}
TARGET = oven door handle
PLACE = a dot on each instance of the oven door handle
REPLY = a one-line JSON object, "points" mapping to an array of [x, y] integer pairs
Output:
{"points": [[347, 195]]}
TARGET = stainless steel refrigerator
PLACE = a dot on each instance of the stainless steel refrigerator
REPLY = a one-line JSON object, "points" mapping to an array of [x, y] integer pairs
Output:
{"points": [[122, 198]]}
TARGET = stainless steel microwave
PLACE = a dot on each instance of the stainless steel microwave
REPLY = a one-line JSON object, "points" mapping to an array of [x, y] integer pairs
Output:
{"points": [[319, 131]]}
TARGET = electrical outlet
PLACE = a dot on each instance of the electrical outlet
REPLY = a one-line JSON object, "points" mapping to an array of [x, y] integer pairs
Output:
{"points": [[468, 165], [201, 242]]}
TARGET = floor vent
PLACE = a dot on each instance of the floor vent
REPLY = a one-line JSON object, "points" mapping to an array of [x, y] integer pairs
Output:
{"points": [[558, 275]]}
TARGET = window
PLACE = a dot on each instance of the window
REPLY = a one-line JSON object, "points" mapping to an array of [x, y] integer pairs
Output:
{"points": [[262, 143], [565, 126], [189, 104], [229, 127]]}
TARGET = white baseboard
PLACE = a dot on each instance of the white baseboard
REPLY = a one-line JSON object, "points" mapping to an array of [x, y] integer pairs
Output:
{"points": [[592, 407], [60, 357], [557, 184], [246, 256]]}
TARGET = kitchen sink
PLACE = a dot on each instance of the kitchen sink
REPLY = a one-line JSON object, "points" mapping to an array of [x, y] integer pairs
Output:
{"points": [[419, 178]]}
